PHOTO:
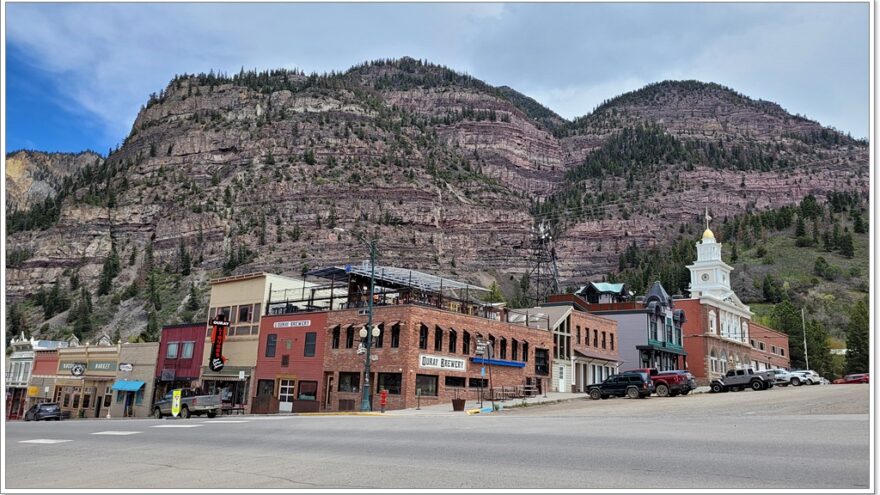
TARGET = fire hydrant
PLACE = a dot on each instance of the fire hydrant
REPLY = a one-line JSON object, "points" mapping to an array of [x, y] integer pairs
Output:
{"points": [[383, 399]]}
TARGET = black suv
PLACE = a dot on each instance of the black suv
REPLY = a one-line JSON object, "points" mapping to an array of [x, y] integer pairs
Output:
{"points": [[43, 411], [631, 384]]}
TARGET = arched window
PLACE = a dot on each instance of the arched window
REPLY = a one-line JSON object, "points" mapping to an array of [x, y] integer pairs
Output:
{"points": [[723, 362], [713, 361], [745, 331]]}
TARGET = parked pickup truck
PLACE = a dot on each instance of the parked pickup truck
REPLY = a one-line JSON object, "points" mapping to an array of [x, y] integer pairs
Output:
{"points": [[190, 404], [668, 383], [740, 379]]}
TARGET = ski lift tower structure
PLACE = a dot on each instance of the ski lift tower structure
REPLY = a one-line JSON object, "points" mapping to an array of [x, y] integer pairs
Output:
{"points": [[543, 273]]}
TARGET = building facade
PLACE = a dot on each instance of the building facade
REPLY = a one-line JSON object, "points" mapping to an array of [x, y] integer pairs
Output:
{"points": [[179, 357], [426, 355], [19, 368], [41, 386], [717, 329], [290, 363], [243, 300], [769, 348], [84, 379], [134, 385]]}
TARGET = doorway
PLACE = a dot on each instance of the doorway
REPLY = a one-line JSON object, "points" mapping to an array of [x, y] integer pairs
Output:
{"points": [[328, 380]]}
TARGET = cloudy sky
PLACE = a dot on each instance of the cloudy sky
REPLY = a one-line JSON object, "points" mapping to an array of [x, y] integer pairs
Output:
{"points": [[78, 73]]}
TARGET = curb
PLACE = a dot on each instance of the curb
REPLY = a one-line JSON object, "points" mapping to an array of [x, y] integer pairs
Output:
{"points": [[342, 413]]}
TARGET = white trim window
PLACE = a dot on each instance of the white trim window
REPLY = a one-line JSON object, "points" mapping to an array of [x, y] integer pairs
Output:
{"points": [[712, 323]]}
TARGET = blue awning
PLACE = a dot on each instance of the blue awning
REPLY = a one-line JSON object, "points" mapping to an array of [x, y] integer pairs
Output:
{"points": [[127, 385], [498, 362]]}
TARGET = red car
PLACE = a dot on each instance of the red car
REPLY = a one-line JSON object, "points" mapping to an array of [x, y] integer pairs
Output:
{"points": [[854, 378]]}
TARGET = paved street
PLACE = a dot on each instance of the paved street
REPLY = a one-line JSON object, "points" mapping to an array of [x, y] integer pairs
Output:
{"points": [[806, 437]]}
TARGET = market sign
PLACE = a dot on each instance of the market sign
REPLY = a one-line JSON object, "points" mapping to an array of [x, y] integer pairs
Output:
{"points": [[102, 366], [288, 324], [442, 363]]}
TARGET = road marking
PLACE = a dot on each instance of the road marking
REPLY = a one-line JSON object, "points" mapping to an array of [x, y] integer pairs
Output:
{"points": [[43, 440], [116, 433], [175, 426], [227, 421]]}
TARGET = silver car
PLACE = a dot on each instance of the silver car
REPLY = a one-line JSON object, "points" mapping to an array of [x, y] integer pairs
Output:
{"points": [[809, 377], [782, 377]]}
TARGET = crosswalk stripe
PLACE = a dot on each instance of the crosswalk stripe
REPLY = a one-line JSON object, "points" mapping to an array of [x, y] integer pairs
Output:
{"points": [[43, 440], [175, 426], [116, 432], [227, 421]]}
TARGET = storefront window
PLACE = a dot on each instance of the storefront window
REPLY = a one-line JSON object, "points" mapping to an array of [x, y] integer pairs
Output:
{"points": [[349, 382], [427, 384], [454, 381], [389, 382], [75, 401], [478, 382], [308, 390], [87, 400], [542, 367]]}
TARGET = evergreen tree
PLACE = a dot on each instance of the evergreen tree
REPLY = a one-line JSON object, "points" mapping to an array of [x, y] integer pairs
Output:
{"points": [[192, 303], [826, 242], [82, 315], [801, 229], [858, 348], [109, 271], [817, 347], [858, 224], [846, 245], [153, 292], [184, 260], [151, 333], [785, 317], [771, 290], [15, 321], [494, 295], [733, 254], [262, 228]]}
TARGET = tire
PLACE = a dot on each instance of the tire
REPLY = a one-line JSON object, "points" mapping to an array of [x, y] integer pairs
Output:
{"points": [[26, 418], [632, 393], [809, 381], [717, 387], [184, 412], [212, 414], [157, 413], [57, 419], [685, 392], [662, 390], [757, 385], [596, 395], [795, 382]]}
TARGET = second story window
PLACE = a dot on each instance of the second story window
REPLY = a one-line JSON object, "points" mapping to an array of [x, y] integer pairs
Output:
{"points": [[611, 336], [271, 342], [423, 337], [309, 349], [171, 352], [395, 336], [438, 339], [349, 337], [334, 342]]}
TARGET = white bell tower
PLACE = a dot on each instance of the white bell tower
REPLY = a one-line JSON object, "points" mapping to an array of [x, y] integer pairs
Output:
{"points": [[709, 274]]}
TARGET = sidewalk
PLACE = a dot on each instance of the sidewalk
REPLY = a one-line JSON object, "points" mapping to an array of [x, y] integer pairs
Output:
{"points": [[445, 409]]}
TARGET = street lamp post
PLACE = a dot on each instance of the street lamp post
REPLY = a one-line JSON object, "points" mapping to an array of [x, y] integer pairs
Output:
{"points": [[368, 332]]}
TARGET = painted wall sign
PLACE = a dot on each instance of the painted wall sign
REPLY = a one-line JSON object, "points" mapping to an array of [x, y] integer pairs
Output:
{"points": [[288, 324], [77, 369], [442, 363], [125, 367]]}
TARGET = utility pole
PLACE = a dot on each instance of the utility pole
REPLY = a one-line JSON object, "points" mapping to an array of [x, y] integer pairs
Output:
{"points": [[804, 327]]}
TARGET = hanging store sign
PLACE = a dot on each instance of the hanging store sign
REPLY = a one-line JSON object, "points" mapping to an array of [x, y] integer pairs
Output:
{"points": [[218, 336], [125, 367], [288, 324], [442, 363], [78, 369]]}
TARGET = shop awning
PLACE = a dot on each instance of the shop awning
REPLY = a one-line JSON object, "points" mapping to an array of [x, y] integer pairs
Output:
{"points": [[127, 385]]}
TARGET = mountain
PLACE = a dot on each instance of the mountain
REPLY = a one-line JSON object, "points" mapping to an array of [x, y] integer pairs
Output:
{"points": [[255, 171], [33, 176]]}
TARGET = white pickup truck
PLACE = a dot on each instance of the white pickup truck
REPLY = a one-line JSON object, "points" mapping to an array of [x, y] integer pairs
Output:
{"points": [[740, 379], [190, 404]]}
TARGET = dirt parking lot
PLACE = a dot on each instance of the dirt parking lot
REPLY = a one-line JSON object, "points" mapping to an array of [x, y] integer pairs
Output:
{"points": [[803, 400]]}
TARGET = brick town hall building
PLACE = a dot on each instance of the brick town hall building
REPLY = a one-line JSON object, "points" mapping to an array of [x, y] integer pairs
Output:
{"points": [[718, 332]]}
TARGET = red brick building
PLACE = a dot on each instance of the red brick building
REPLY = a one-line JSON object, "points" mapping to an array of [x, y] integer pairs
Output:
{"points": [[290, 363], [709, 354], [769, 348], [430, 351], [180, 357]]}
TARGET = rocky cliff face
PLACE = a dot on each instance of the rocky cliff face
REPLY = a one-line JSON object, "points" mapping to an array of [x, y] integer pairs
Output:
{"points": [[32, 176], [445, 170]]}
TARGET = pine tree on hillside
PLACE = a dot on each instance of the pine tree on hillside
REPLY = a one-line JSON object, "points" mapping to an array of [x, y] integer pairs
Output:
{"points": [[192, 303], [858, 348], [494, 295], [785, 317], [801, 229], [858, 224], [846, 245]]}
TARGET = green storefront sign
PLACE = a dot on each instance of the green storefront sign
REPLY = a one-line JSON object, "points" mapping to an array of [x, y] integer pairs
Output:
{"points": [[102, 366]]}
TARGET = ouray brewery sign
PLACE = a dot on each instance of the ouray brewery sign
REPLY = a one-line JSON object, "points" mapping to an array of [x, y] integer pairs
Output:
{"points": [[442, 363]]}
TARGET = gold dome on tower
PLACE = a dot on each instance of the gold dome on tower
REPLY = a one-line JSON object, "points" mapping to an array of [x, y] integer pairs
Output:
{"points": [[707, 234]]}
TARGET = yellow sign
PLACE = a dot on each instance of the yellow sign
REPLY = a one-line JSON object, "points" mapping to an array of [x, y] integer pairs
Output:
{"points": [[175, 402], [33, 391]]}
